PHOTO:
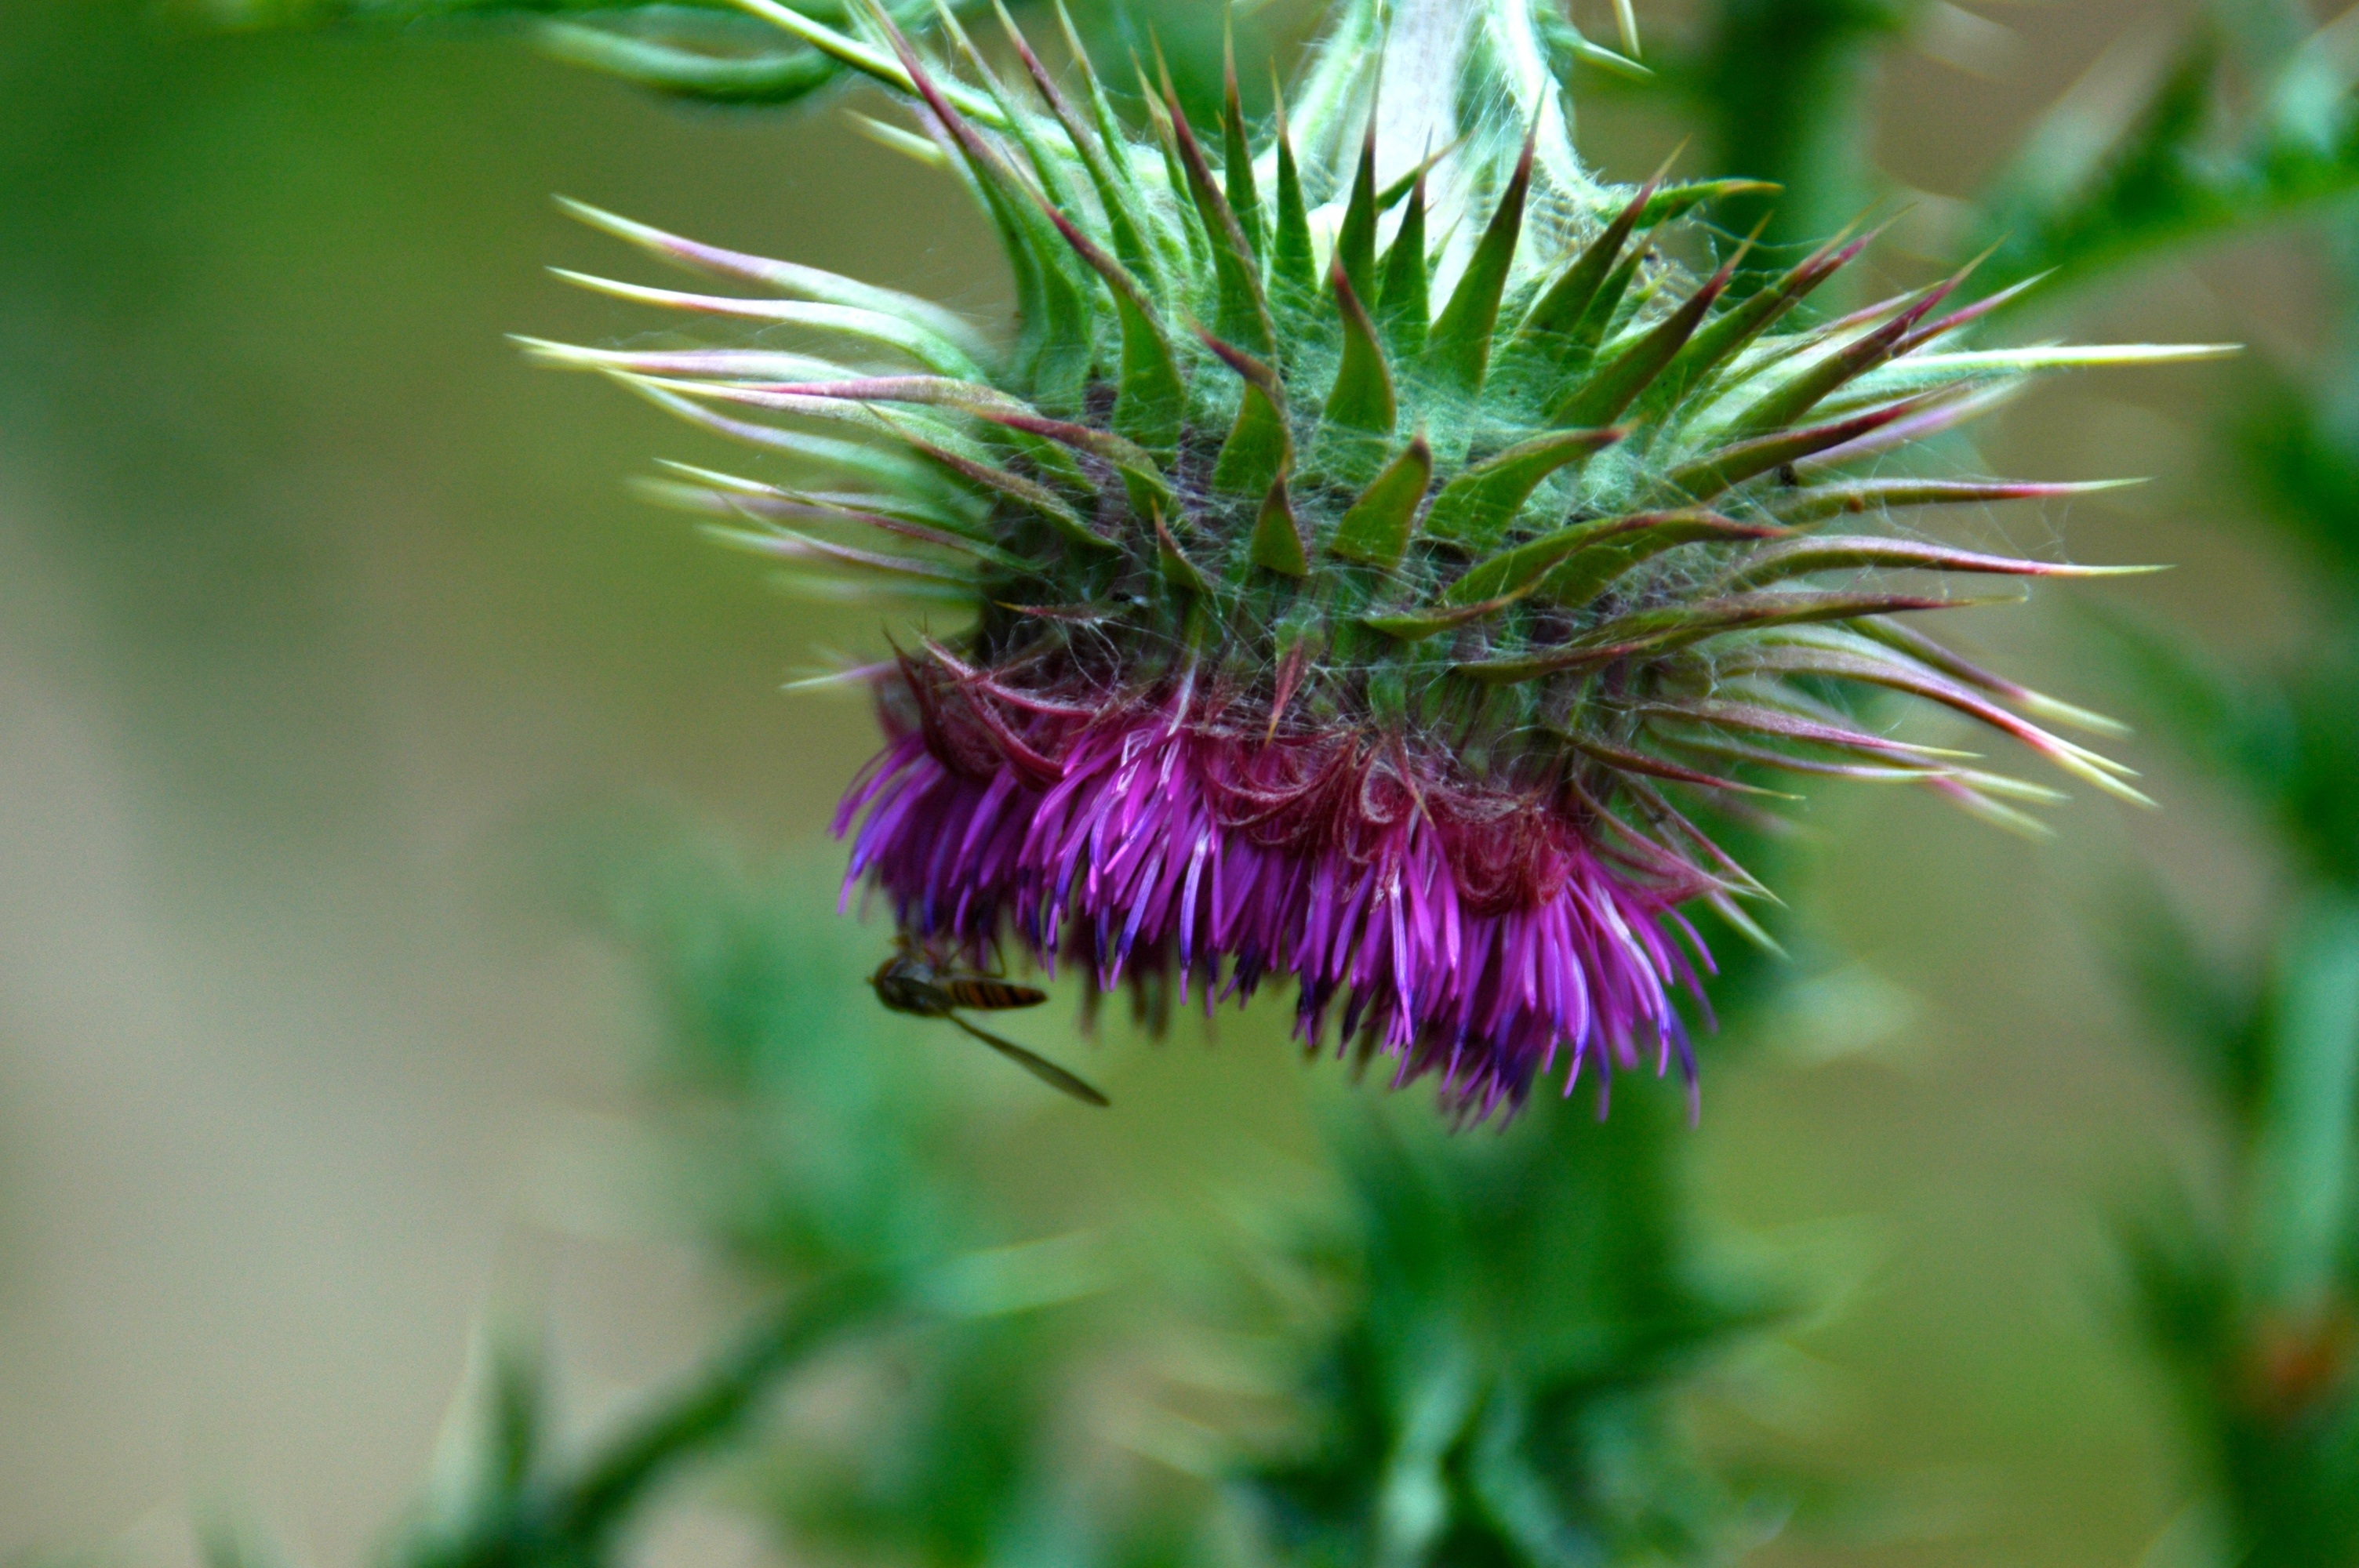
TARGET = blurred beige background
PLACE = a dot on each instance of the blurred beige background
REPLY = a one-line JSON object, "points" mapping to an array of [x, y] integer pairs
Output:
{"points": [[312, 595]]}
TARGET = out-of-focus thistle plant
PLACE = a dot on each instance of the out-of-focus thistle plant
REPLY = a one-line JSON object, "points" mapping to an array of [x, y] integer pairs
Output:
{"points": [[1495, 1384], [1373, 536], [704, 49]]}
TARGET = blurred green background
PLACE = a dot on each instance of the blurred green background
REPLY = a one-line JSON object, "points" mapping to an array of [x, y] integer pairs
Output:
{"points": [[317, 607]]}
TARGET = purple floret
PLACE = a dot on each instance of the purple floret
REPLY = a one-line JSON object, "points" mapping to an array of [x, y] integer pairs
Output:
{"points": [[1473, 932]]}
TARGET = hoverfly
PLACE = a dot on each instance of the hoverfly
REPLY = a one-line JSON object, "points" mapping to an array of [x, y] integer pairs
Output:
{"points": [[911, 981]]}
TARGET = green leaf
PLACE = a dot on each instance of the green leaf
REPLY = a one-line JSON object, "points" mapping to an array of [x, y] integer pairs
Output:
{"points": [[1405, 308], [1616, 545], [1292, 270], [1477, 507], [1236, 158], [1260, 446], [1150, 406], [1519, 569], [1178, 569], [1362, 399], [1613, 386], [764, 78], [1458, 349], [1241, 316], [1814, 503], [1277, 537], [1118, 193], [1376, 530], [1558, 309], [1676, 200], [1858, 552], [1732, 465], [1755, 314], [1355, 241], [1054, 344]]}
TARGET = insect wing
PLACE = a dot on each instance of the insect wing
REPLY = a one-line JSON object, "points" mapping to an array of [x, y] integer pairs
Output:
{"points": [[1041, 1067]]}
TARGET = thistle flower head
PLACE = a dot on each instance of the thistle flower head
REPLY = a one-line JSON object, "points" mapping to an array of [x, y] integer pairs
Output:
{"points": [[1376, 549]]}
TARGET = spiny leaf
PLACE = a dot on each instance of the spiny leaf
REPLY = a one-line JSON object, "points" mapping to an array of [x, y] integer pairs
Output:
{"points": [[1477, 508], [1652, 630], [1966, 315], [1363, 397], [1184, 245], [893, 138], [1390, 196], [1520, 568], [1823, 767], [1675, 200], [936, 444], [1405, 308], [895, 332], [1875, 666], [1715, 715], [1732, 465], [1617, 545], [1458, 349], [1178, 569], [1150, 406], [902, 482], [1055, 348], [1049, 165], [1577, 345], [1920, 372], [1277, 538], [1431, 620], [809, 283], [731, 364], [1635, 762], [1260, 446], [1376, 530], [1355, 241], [884, 593], [1118, 194], [1615, 384], [1297, 639], [1818, 502], [1237, 154], [1796, 396], [1798, 558], [1293, 272], [1143, 480], [864, 59], [1566, 300], [1242, 313], [1916, 645], [1111, 138], [1718, 340], [771, 504], [1677, 625], [786, 541]]}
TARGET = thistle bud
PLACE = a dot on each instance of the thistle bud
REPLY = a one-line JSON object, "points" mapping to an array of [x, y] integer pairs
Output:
{"points": [[1374, 556]]}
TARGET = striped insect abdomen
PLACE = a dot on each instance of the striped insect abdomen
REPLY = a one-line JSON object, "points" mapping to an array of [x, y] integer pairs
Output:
{"points": [[991, 996]]}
